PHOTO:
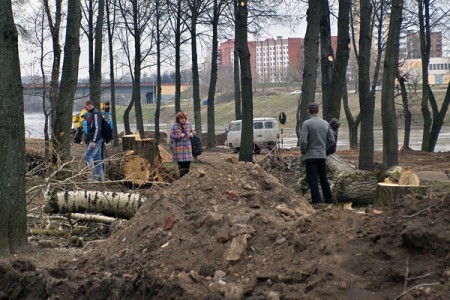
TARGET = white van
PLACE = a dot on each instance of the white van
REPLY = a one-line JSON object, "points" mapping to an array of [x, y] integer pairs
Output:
{"points": [[266, 133]]}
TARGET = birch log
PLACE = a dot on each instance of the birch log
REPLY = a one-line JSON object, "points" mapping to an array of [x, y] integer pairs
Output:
{"points": [[123, 205]]}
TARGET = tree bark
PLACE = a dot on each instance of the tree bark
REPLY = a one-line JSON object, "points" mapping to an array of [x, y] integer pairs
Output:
{"points": [[13, 223], [388, 114], [61, 140], [114, 204]]}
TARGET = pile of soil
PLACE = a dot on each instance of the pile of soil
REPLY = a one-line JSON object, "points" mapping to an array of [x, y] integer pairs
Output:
{"points": [[231, 230]]}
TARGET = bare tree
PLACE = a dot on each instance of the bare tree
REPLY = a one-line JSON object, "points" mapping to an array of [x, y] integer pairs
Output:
{"points": [[196, 8], [137, 16], [176, 9], [54, 23], [94, 33], [217, 11], [339, 71], [61, 139], [110, 23], [434, 119]]}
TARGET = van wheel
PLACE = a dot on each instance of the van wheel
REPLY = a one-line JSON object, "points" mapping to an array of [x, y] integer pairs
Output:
{"points": [[257, 149], [235, 150]]}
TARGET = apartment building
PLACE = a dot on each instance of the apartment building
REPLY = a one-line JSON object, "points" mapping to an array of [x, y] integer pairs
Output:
{"points": [[271, 60]]}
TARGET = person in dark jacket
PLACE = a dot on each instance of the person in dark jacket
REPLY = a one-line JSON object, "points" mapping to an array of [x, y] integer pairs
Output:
{"points": [[93, 157], [316, 138]]}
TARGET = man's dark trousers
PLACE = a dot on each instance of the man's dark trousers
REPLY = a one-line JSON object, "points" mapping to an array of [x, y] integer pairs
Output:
{"points": [[317, 167]]}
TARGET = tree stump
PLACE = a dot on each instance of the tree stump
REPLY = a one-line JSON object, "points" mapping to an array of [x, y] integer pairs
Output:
{"points": [[388, 193], [129, 167], [146, 148]]}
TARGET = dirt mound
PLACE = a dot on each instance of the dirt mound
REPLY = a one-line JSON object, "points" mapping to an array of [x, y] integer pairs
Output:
{"points": [[230, 230]]}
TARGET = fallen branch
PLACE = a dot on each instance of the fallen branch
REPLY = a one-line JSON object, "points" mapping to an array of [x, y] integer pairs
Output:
{"points": [[415, 287], [419, 212], [92, 218]]}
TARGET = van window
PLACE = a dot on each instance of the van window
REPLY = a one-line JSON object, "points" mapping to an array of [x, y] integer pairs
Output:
{"points": [[269, 125], [237, 127], [257, 125]]}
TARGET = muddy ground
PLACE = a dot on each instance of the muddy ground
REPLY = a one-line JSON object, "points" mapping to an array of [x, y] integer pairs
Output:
{"points": [[233, 230]]}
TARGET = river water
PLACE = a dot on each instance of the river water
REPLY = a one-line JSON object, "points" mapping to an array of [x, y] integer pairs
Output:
{"points": [[34, 124]]}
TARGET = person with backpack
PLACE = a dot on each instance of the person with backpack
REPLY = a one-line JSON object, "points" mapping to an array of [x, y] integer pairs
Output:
{"points": [[94, 150], [181, 134]]}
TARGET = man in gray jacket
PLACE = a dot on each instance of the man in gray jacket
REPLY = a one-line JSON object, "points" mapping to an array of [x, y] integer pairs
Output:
{"points": [[316, 138]]}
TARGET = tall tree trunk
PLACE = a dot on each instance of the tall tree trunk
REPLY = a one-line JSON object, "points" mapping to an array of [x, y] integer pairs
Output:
{"points": [[62, 139], [126, 117], [352, 123], [213, 79], [95, 77], [425, 45], [246, 152], [366, 102], [136, 93], [13, 220], [236, 73], [326, 58], [178, 58], [56, 65], [237, 85], [388, 115], [311, 60], [158, 69], [195, 76], [110, 25], [342, 55], [406, 111]]}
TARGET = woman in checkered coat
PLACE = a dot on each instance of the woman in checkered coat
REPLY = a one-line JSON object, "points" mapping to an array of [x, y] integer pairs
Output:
{"points": [[181, 134]]}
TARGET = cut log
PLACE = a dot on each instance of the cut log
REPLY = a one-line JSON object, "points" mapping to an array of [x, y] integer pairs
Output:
{"points": [[129, 167], [388, 193], [123, 205]]}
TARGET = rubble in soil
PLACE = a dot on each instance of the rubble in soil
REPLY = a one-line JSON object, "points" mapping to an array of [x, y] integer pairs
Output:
{"points": [[230, 230]]}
